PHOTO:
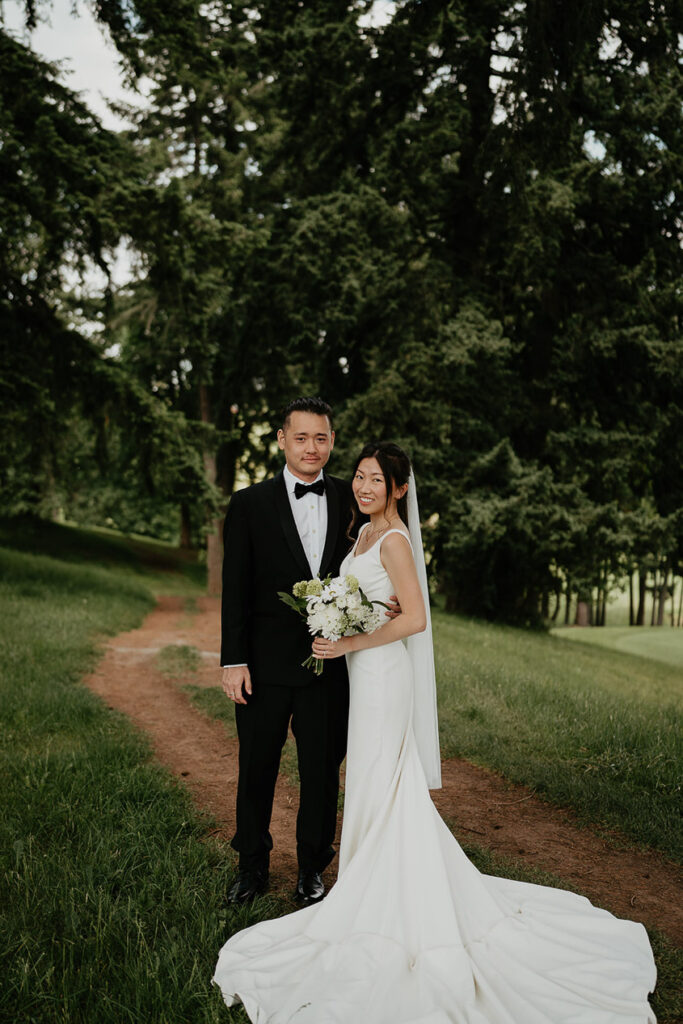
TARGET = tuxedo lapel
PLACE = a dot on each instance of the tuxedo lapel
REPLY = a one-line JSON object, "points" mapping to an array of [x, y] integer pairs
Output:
{"points": [[286, 518], [332, 525]]}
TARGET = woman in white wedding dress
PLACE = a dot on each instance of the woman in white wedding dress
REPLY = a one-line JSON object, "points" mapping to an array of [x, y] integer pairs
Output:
{"points": [[412, 933]]}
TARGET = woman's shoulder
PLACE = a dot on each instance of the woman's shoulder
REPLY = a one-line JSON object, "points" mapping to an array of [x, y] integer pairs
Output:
{"points": [[391, 541]]}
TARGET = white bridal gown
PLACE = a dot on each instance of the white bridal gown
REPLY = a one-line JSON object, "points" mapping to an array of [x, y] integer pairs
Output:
{"points": [[412, 933]]}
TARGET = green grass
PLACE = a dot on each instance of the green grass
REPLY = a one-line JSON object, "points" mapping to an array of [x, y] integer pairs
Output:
{"points": [[112, 893], [178, 660], [212, 701], [160, 567], [660, 643], [585, 727]]}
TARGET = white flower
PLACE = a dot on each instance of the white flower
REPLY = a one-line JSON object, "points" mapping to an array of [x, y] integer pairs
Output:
{"points": [[336, 608]]}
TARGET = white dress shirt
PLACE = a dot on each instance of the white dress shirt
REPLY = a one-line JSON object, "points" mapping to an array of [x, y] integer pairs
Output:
{"points": [[310, 517]]}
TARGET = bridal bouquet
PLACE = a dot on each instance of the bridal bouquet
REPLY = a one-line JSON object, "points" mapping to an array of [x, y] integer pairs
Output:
{"points": [[333, 608]]}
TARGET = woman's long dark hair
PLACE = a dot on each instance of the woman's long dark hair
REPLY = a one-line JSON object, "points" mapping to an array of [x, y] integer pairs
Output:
{"points": [[395, 466]]}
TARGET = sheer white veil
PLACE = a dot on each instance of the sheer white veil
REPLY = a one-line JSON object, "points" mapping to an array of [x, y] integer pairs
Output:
{"points": [[421, 652]]}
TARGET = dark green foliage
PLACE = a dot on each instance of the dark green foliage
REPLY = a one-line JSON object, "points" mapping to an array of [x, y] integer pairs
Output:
{"points": [[461, 227], [524, 341], [53, 166], [68, 411]]}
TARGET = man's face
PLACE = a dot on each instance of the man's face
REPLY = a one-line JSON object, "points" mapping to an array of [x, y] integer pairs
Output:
{"points": [[307, 442]]}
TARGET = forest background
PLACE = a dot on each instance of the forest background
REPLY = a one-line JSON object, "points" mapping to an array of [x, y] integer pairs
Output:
{"points": [[461, 226]]}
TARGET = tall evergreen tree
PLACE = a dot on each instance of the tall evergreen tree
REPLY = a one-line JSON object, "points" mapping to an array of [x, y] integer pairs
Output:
{"points": [[461, 226]]}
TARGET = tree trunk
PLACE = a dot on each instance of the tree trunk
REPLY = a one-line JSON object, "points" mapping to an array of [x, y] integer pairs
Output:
{"points": [[631, 609], [654, 596], [583, 613], [545, 605], [680, 606], [604, 594], [662, 597], [214, 559], [556, 609], [185, 527], [214, 551], [642, 591], [567, 602], [54, 509]]}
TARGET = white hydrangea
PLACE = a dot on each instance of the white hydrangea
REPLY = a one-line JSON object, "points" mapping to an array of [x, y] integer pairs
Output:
{"points": [[326, 620], [337, 587], [341, 609], [334, 608]]}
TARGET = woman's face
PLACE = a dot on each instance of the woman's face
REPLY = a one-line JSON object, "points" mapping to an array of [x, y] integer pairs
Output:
{"points": [[369, 487]]}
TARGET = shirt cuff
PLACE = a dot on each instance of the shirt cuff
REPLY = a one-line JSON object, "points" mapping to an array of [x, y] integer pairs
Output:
{"points": [[242, 664]]}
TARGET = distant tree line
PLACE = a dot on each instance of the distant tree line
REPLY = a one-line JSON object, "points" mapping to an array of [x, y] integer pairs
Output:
{"points": [[462, 227]]}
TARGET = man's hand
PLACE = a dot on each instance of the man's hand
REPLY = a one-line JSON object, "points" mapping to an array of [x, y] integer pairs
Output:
{"points": [[394, 608], [236, 682]]}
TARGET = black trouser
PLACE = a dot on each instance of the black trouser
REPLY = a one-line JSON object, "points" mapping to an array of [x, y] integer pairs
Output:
{"points": [[319, 716]]}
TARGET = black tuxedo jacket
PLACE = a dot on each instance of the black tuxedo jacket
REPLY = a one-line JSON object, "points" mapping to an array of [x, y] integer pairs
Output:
{"points": [[263, 554]]}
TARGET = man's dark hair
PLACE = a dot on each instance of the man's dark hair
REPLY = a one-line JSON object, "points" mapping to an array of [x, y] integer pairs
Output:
{"points": [[307, 404]]}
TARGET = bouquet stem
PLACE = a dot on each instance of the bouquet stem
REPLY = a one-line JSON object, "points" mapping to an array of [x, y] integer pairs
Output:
{"points": [[315, 663]]}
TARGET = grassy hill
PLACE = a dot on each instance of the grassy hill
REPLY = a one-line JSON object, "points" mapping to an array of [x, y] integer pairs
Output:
{"points": [[112, 891], [585, 726]]}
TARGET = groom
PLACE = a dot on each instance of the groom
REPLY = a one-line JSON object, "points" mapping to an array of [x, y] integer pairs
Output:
{"points": [[277, 532]]}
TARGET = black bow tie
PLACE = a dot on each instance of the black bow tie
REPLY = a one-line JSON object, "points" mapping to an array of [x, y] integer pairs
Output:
{"points": [[317, 488]]}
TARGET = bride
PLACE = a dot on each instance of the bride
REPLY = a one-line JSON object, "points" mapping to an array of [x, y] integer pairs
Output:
{"points": [[412, 933]]}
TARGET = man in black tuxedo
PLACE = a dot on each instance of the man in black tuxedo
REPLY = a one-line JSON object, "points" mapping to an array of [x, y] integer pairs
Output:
{"points": [[277, 532]]}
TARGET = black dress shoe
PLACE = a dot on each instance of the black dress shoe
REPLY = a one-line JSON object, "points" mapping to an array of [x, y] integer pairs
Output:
{"points": [[249, 884], [310, 887]]}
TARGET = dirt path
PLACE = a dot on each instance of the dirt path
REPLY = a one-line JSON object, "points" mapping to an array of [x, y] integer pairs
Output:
{"points": [[481, 807]]}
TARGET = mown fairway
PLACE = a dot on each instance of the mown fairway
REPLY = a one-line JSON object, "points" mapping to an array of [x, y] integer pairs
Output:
{"points": [[660, 643], [113, 894]]}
